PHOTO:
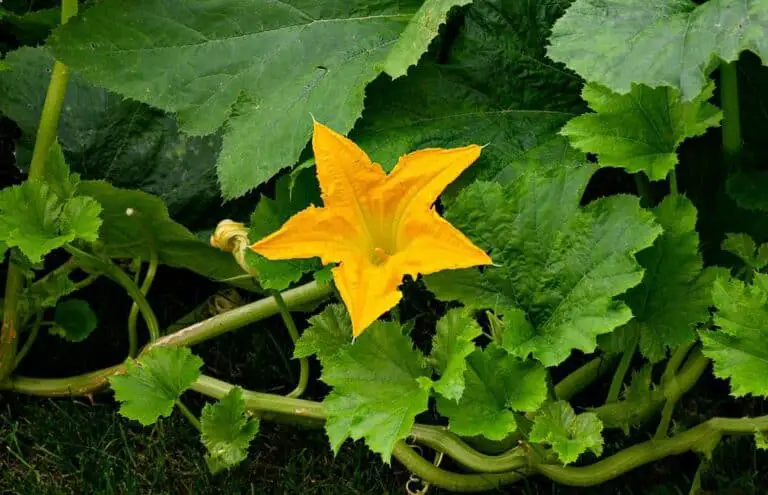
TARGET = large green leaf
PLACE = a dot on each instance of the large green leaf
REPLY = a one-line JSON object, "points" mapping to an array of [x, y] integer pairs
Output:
{"points": [[380, 383], [105, 136], [657, 42], [640, 131], [497, 384], [494, 87], [227, 431], [136, 223], [258, 65], [560, 266], [740, 348], [151, 385], [675, 293]]}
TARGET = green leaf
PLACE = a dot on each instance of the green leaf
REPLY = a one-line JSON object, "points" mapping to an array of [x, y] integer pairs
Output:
{"points": [[675, 294], [450, 347], [569, 434], [494, 87], [46, 292], [421, 29], [151, 384], [740, 348], [380, 383], [497, 384], [36, 221], [761, 440], [741, 245], [75, 320], [328, 332], [227, 431], [106, 136], [640, 131], [135, 223], [291, 196], [672, 43], [57, 174], [263, 75], [559, 264], [748, 189]]}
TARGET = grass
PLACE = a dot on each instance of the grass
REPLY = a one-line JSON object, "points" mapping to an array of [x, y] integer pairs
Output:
{"points": [[76, 446]]}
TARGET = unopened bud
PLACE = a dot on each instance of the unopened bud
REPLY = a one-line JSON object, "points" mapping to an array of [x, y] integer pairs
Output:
{"points": [[230, 236]]}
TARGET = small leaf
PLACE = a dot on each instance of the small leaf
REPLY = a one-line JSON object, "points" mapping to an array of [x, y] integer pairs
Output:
{"points": [[46, 292], [328, 333], [380, 383], [743, 246], [36, 221], [748, 189], [75, 320], [415, 39], [739, 349], [291, 196], [57, 174], [450, 347], [227, 431], [761, 440], [640, 131], [152, 383], [497, 384], [569, 434]]}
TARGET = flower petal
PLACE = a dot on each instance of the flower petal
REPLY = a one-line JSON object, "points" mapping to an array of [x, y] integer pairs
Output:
{"points": [[367, 289], [309, 233], [344, 170], [420, 177], [427, 243]]}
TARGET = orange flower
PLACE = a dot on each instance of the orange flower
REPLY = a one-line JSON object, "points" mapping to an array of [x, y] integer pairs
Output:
{"points": [[378, 227]]}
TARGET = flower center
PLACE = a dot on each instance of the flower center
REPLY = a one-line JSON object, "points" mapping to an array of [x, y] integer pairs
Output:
{"points": [[380, 256]]}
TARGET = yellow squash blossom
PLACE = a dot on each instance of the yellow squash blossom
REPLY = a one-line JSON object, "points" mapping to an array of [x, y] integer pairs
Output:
{"points": [[378, 227]]}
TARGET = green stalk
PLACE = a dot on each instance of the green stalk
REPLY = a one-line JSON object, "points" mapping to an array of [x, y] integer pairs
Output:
{"points": [[114, 272], [244, 315], [621, 373], [31, 337], [643, 186], [285, 314], [673, 183], [584, 376], [189, 415], [46, 134], [133, 340], [729, 102]]}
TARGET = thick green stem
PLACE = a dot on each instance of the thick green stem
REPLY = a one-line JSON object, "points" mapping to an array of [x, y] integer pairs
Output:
{"points": [[46, 133], [584, 376], [114, 272], [133, 339], [244, 315], [429, 473], [673, 183], [620, 414], [621, 373], [643, 187], [702, 438], [729, 102], [285, 314], [189, 415]]}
